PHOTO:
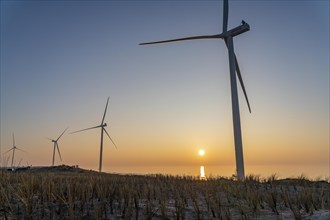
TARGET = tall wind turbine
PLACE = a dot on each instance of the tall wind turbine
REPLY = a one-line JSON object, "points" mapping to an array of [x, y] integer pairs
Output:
{"points": [[56, 146], [227, 36], [102, 126], [13, 149]]}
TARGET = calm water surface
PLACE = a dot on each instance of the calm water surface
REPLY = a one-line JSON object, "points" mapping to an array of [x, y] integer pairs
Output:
{"points": [[227, 171]]}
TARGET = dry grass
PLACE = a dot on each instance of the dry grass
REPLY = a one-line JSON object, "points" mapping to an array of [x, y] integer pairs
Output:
{"points": [[75, 194]]}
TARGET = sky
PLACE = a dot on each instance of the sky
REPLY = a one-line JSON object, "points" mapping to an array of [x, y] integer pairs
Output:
{"points": [[61, 60]]}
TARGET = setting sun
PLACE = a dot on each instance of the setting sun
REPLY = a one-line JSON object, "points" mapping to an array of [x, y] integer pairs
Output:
{"points": [[201, 152]]}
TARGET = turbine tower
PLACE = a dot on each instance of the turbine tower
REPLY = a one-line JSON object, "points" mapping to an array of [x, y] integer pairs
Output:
{"points": [[56, 146], [227, 36], [102, 126], [13, 149]]}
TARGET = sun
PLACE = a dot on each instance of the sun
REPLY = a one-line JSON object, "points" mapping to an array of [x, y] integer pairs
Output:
{"points": [[201, 152]]}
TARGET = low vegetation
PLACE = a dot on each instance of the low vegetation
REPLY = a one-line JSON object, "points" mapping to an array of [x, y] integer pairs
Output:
{"points": [[70, 193]]}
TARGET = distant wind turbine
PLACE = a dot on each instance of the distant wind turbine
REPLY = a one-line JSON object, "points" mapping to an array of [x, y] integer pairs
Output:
{"points": [[227, 36], [102, 126], [13, 149], [56, 146]]}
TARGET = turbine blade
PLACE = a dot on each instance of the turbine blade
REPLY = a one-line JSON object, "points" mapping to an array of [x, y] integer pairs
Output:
{"points": [[105, 111], [239, 75], [85, 129], [225, 16], [186, 38], [58, 150], [238, 71], [8, 150], [62, 134], [110, 138], [13, 140], [49, 139], [20, 149]]}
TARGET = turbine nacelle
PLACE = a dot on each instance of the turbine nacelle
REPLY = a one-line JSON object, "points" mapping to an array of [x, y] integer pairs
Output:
{"points": [[244, 27], [104, 125]]}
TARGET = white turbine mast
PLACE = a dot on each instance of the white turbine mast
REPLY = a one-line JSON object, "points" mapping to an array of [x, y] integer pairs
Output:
{"points": [[227, 36]]}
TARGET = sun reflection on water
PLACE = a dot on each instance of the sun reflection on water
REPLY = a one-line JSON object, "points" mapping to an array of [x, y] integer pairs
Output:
{"points": [[202, 173]]}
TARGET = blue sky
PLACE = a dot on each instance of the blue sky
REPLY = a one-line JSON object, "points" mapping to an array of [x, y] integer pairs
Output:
{"points": [[60, 60]]}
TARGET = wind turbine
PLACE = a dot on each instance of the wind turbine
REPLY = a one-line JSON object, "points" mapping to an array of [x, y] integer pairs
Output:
{"points": [[227, 36], [102, 126], [13, 149], [56, 146]]}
